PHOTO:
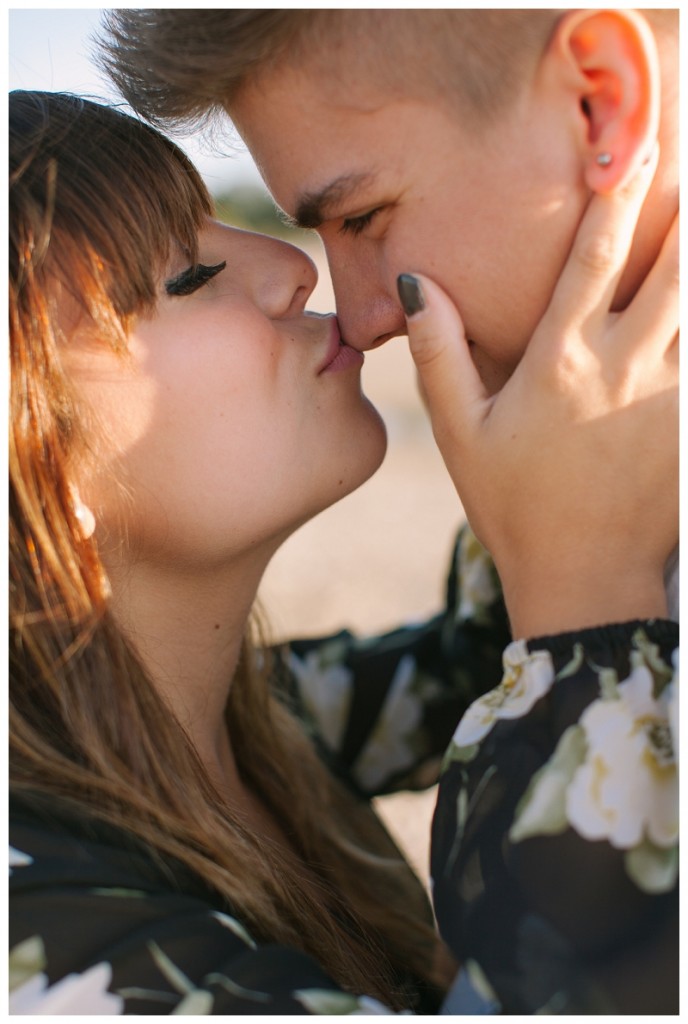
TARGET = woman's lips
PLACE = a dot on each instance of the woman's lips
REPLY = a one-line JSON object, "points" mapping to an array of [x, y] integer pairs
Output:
{"points": [[340, 356]]}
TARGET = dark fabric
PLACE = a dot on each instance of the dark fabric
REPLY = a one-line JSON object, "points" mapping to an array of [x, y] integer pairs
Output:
{"points": [[554, 847], [554, 921], [88, 895]]}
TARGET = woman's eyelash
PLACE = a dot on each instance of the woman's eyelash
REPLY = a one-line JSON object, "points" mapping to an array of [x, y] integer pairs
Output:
{"points": [[355, 225], [193, 278]]}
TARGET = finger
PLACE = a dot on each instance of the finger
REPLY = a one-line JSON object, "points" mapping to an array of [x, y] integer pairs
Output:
{"points": [[651, 320], [451, 385], [600, 250]]}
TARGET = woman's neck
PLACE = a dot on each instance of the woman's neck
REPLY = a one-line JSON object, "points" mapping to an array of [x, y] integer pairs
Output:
{"points": [[188, 631]]}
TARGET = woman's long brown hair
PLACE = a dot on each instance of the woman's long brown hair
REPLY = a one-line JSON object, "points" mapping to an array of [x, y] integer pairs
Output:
{"points": [[96, 199]]}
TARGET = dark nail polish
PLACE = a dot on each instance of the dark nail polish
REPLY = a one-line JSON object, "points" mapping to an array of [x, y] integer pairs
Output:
{"points": [[410, 294]]}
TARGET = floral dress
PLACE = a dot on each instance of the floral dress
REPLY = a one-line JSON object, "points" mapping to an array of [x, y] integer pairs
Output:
{"points": [[554, 845], [99, 928]]}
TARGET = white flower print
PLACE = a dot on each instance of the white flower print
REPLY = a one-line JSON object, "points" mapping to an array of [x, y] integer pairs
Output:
{"points": [[234, 926], [196, 1000], [75, 994], [369, 1007], [389, 748], [527, 677], [627, 789], [195, 1004], [26, 960], [543, 808], [17, 859], [653, 868], [325, 687], [613, 777], [326, 1001], [478, 576], [672, 707]]}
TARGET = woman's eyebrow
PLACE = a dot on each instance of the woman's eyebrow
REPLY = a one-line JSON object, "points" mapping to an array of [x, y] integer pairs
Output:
{"points": [[313, 208]]}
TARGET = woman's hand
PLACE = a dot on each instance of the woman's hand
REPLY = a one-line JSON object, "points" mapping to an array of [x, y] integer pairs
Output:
{"points": [[569, 475]]}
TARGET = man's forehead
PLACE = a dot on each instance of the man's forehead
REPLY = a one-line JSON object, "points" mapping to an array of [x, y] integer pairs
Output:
{"points": [[285, 115]]}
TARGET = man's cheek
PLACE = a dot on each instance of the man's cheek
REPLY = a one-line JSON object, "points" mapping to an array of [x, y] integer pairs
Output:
{"points": [[494, 374]]}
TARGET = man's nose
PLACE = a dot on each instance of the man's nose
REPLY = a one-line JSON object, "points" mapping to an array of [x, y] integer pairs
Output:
{"points": [[368, 313]]}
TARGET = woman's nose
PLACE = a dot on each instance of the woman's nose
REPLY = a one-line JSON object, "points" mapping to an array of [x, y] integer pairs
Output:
{"points": [[289, 279]]}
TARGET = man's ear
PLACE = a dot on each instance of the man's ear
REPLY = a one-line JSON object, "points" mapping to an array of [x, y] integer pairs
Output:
{"points": [[614, 68]]}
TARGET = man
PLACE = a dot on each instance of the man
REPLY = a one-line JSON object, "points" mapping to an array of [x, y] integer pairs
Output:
{"points": [[461, 149]]}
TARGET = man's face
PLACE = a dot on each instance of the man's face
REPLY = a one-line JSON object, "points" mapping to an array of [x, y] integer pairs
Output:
{"points": [[397, 185]]}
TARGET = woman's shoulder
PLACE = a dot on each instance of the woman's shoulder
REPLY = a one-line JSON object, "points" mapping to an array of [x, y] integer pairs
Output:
{"points": [[54, 842], [100, 925]]}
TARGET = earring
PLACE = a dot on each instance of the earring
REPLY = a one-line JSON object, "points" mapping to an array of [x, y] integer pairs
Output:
{"points": [[86, 519], [604, 159]]}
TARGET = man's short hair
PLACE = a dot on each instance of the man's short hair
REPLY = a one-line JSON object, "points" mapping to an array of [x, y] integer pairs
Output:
{"points": [[180, 67]]}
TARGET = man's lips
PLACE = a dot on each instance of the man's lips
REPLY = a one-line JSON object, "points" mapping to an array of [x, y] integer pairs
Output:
{"points": [[380, 341], [339, 355]]}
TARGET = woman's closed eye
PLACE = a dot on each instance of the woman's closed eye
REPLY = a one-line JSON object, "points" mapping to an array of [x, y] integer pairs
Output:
{"points": [[193, 278]]}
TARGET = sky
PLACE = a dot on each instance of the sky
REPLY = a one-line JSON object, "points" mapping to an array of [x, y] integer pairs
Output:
{"points": [[49, 49]]}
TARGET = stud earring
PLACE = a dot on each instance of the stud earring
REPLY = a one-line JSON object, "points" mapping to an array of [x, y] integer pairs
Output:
{"points": [[604, 159], [86, 519]]}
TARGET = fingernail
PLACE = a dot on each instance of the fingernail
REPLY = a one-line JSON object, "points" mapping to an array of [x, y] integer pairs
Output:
{"points": [[410, 294]]}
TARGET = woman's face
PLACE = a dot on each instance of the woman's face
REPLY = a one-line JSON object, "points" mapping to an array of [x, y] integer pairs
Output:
{"points": [[236, 416]]}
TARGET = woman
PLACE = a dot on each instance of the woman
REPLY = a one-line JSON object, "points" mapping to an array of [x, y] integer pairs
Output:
{"points": [[175, 415]]}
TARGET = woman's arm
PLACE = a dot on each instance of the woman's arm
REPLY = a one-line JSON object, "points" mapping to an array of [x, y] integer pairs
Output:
{"points": [[569, 474], [555, 841]]}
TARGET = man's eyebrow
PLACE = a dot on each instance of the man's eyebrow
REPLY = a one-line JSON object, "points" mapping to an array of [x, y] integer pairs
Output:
{"points": [[312, 207]]}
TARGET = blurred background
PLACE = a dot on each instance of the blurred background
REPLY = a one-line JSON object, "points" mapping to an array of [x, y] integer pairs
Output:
{"points": [[378, 558]]}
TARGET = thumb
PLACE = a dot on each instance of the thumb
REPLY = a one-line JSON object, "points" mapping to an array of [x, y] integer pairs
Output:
{"points": [[450, 383]]}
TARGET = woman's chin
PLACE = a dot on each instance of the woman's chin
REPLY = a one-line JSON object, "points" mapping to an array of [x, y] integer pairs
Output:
{"points": [[366, 454], [374, 445]]}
